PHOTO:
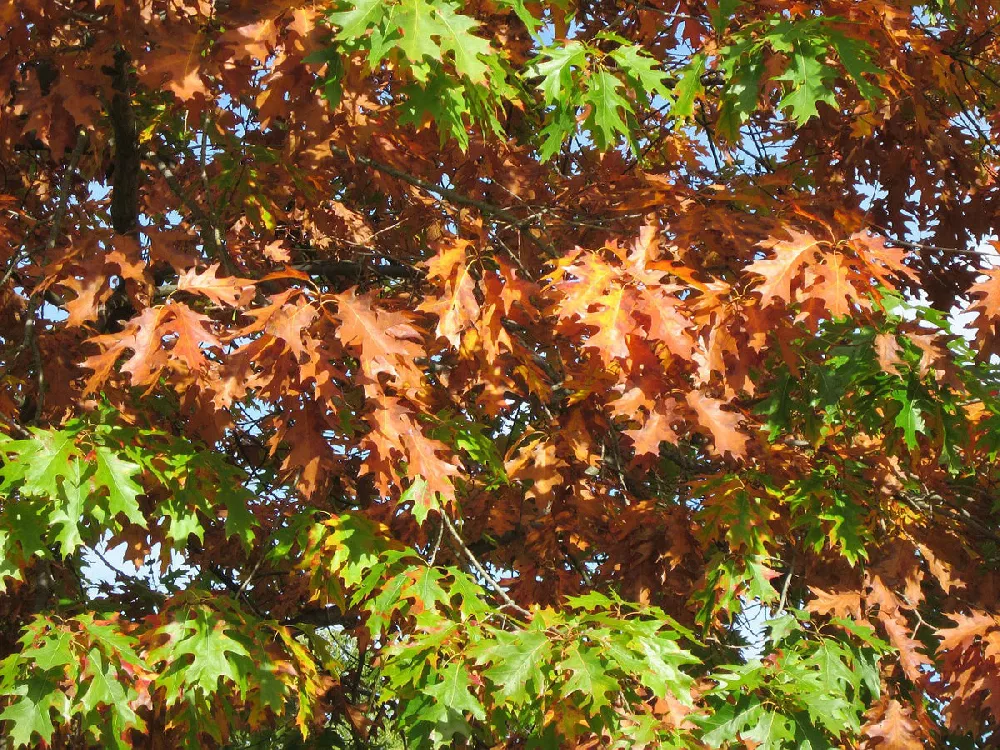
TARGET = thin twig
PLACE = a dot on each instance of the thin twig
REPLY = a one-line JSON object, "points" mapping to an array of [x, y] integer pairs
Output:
{"points": [[230, 584], [30, 340], [211, 236], [935, 248], [784, 587], [453, 195], [64, 184], [251, 574], [437, 546], [480, 569]]}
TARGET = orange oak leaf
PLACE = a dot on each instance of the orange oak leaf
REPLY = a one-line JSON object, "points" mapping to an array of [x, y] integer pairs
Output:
{"points": [[666, 322], [894, 730], [884, 263], [386, 340], [287, 318], [91, 292], [222, 290], [310, 457], [832, 285], [911, 659], [395, 436], [836, 603], [424, 456], [723, 425], [540, 464], [457, 307], [191, 334], [614, 323], [657, 427], [780, 271], [589, 279], [887, 350], [174, 62], [987, 294], [171, 335], [967, 629]]}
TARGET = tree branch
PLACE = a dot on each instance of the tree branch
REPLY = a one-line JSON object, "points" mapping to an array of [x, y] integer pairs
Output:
{"points": [[934, 248], [452, 195], [480, 569], [30, 340], [211, 236]]}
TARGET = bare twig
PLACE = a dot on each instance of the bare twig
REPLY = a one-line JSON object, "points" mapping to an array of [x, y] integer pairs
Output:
{"points": [[230, 584], [480, 569], [251, 574], [783, 600], [935, 248], [437, 546], [452, 195], [64, 184], [211, 235], [578, 566], [30, 340]]}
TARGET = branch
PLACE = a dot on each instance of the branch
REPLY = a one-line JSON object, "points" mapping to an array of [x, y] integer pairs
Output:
{"points": [[934, 248], [212, 238], [788, 580], [334, 269], [230, 584], [30, 340], [931, 503], [61, 208], [453, 195], [322, 617], [480, 569]]}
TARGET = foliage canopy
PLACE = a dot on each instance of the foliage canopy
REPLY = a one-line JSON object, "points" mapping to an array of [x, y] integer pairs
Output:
{"points": [[499, 373]]}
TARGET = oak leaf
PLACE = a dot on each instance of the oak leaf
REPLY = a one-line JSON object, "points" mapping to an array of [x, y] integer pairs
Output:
{"points": [[457, 308], [723, 425], [386, 339], [222, 290], [895, 730], [657, 427], [836, 603], [967, 629], [780, 271]]}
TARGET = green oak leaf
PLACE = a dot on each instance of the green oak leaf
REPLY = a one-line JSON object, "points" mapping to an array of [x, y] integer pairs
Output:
{"points": [[102, 687], [855, 56], [206, 639], [609, 108], [426, 589], [29, 714], [640, 68], [910, 418], [515, 661], [835, 674], [663, 659], [116, 474], [725, 724], [422, 22], [70, 507], [689, 86], [770, 731], [452, 690], [360, 16], [722, 12], [54, 651], [47, 458], [587, 675], [810, 83], [555, 65]]}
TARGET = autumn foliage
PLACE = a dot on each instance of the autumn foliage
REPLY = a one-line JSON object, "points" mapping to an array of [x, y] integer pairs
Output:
{"points": [[499, 373]]}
